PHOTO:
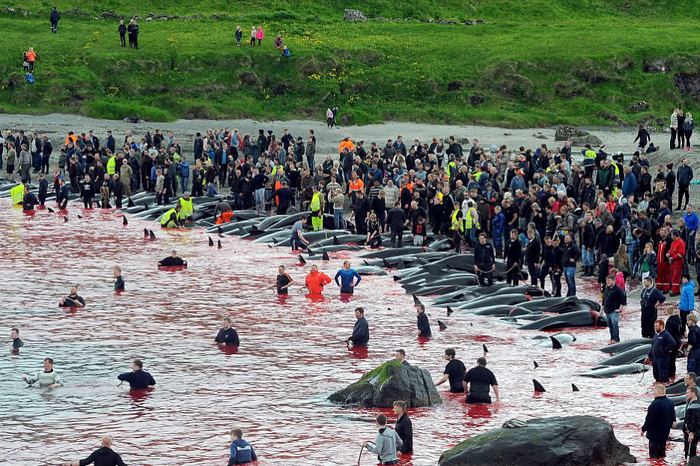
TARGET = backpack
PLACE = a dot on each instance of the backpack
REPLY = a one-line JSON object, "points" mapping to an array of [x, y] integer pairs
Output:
{"points": [[30, 78]]}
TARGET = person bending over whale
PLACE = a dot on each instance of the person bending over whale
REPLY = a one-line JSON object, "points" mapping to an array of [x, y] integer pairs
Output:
{"points": [[172, 261], [138, 379], [227, 336], [73, 299], [347, 276], [360, 333], [171, 219]]}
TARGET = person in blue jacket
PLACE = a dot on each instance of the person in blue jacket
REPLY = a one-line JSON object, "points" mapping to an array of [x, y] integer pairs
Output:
{"points": [[660, 351], [347, 276], [241, 451], [499, 220], [184, 173], [138, 379], [659, 420], [687, 302], [360, 333]]}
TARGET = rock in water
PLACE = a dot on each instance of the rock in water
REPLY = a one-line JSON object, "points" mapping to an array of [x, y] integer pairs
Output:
{"points": [[572, 440], [390, 382]]}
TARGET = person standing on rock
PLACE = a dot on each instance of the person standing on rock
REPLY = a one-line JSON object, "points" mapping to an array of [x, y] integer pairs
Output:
{"points": [[404, 428], [386, 444], [659, 420], [481, 379], [454, 372], [53, 18], [360, 333]]}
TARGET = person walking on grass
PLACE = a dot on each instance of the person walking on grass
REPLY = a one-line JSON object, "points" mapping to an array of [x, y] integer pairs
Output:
{"points": [[54, 17], [122, 34]]}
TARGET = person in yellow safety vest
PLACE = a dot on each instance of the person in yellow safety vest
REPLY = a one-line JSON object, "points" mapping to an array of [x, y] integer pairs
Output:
{"points": [[186, 208], [316, 208], [112, 165], [450, 166], [471, 223], [17, 194], [478, 174], [457, 227], [589, 157], [170, 218]]}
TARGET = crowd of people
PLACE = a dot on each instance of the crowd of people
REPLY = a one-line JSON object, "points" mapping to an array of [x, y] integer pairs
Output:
{"points": [[549, 212]]}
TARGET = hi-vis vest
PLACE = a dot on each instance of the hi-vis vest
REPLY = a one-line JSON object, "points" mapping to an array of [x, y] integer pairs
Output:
{"points": [[450, 166], [470, 219], [457, 224], [17, 194], [589, 157], [167, 217], [315, 205], [478, 174], [111, 165], [186, 209]]}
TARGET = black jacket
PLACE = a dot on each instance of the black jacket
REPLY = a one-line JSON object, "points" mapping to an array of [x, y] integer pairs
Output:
{"points": [[103, 457], [660, 417], [613, 299], [662, 345], [685, 175], [571, 251], [404, 428], [360, 333], [513, 252], [396, 218], [228, 336], [54, 16], [137, 379], [424, 325], [484, 254], [533, 252]]}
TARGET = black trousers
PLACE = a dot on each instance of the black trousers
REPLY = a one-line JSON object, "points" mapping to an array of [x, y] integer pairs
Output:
{"points": [[688, 134], [122, 40], [673, 138], [396, 237], [681, 137], [690, 448], [513, 275], [683, 190], [485, 278], [657, 449]]}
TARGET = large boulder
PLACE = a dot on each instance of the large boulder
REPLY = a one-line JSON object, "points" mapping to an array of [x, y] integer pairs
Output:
{"points": [[656, 66], [688, 84], [392, 381], [570, 441], [354, 16], [576, 136], [640, 106]]}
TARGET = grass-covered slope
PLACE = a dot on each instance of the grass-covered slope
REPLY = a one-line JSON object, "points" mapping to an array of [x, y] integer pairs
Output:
{"points": [[532, 63]]}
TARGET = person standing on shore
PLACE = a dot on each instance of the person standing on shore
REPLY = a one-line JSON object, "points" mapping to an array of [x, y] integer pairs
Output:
{"points": [[674, 128], [54, 17], [688, 124], [659, 420]]}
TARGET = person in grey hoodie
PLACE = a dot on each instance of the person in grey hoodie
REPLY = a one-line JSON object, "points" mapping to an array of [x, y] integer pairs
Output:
{"points": [[386, 444]]}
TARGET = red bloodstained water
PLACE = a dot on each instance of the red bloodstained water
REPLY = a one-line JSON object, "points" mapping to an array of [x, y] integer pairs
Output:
{"points": [[292, 355]]}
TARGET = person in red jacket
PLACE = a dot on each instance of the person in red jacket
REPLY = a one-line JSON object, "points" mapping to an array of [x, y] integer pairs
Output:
{"points": [[663, 281], [315, 280], [676, 257]]}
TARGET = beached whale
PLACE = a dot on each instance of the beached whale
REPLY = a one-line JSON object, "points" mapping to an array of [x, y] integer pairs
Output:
{"points": [[572, 319], [613, 371]]}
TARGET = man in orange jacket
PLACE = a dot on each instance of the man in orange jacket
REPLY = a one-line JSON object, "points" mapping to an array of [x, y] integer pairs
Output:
{"points": [[676, 257], [315, 280], [346, 142]]}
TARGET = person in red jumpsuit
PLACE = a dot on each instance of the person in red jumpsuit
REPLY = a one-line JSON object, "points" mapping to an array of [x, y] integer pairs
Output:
{"points": [[315, 280], [676, 256], [663, 281]]}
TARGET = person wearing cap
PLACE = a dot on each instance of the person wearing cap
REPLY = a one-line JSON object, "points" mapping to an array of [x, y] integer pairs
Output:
{"points": [[316, 207]]}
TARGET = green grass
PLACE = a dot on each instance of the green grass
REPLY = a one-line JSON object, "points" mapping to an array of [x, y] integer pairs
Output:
{"points": [[536, 62]]}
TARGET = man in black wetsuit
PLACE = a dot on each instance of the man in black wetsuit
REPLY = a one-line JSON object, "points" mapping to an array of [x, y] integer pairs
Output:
{"points": [[481, 379], [172, 261], [484, 261], [423, 324], [103, 456], [73, 299], [404, 427], [17, 343], [227, 335], [138, 379], [454, 372], [119, 281], [360, 333], [284, 281]]}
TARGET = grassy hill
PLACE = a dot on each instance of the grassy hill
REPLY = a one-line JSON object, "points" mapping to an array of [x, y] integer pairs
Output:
{"points": [[532, 63]]}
